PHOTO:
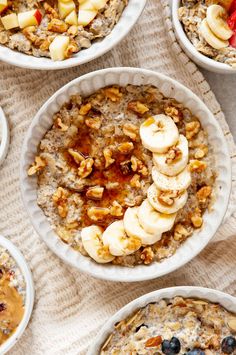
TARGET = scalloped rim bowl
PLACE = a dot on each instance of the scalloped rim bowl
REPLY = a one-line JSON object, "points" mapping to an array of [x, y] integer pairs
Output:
{"points": [[224, 299], [128, 19], [29, 303], [191, 51], [86, 85]]}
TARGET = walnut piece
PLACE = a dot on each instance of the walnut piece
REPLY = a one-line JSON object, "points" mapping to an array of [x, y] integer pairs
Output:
{"points": [[135, 181], [78, 157], [84, 109], [72, 48], [58, 122], [113, 94], [138, 165], [167, 198], [197, 166], [192, 128], [59, 198], [174, 113], [98, 213], [50, 11], [85, 168], [93, 122], [95, 193], [65, 234], [137, 107], [181, 232], [116, 209], [173, 154], [147, 255], [196, 218], [204, 193], [107, 152], [37, 166], [73, 31], [125, 167], [201, 152], [56, 25], [125, 148], [131, 131]]}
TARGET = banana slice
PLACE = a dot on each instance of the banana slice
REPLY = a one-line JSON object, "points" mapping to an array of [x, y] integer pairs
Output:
{"points": [[166, 202], [117, 240], [158, 133], [175, 160], [210, 38], [134, 229], [179, 182], [216, 20], [153, 221], [92, 242]]}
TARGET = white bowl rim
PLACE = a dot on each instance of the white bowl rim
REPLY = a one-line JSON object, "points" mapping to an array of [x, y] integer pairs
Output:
{"points": [[208, 294], [60, 251], [203, 60], [29, 302], [5, 136], [128, 19]]}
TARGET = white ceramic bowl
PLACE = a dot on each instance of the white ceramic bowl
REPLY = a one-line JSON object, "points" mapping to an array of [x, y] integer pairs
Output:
{"points": [[191, 51], [18, 257], [227, 301], [86, 85], [128, 19], [4, 136]]}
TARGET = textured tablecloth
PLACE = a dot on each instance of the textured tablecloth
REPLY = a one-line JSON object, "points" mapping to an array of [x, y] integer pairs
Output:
{"points": [[70, 307]]}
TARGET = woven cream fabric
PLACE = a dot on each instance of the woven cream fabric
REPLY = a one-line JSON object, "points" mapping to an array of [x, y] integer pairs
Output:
{"points": [[70, 307]]}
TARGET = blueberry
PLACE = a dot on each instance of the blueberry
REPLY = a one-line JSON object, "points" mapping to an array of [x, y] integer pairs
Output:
{"points": [[195, 352], [171, 347], [228, 345]]}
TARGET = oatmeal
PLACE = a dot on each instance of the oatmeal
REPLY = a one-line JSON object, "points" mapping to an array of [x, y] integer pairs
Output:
{"points": [[56, 28], [125, 175], [175, 326], [211, 27], [12, 295]]}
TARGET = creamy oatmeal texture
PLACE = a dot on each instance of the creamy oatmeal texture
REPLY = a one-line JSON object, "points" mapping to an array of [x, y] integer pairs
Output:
{"points": [[211, 27], [175, 326], [96, 176], [57, 29], [12, 295]]}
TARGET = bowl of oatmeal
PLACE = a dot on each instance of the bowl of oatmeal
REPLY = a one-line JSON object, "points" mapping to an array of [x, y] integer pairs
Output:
{"points": [[60, 34], [206, 30], [16, 296], [125, 174], [177, 320]]}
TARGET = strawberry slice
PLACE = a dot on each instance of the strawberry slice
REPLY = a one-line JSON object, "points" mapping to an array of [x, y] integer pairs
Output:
{"points": [[231, 21], [232, 7], [232, 40]]}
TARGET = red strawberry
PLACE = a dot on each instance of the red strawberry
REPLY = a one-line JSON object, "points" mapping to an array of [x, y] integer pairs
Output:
{"points": [[232, 21], [232, 40], [232, 7]]}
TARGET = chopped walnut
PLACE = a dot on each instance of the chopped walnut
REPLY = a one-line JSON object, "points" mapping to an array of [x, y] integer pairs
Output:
{"points": [[204, 193], [214, 342], [50, 11], [135, 181], [73, 31], [78, 157], [197, 166], [29, 33], [181, 232], [38, 165], [107, 152], [174, 113], [61, 125], [59, 198], [131, 131], [95, 193], [85, 168], [72, 225], [137, 165], [72, 48], [137, 107], [113, 94], [98, 213], [125, 167], [84, 109], [201, 151], [147, 255], [94, 122], [56, 25], [116, 209], [173, 154], [167, 198], [65, 235], [125, 148], [192, 128], [196, 218]]}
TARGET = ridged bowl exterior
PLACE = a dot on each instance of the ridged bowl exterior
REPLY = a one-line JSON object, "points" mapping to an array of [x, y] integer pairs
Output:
{"points": [[86, 85]]}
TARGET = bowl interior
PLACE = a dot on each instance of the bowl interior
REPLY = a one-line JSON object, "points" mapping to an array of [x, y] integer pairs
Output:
{"points": [[227, 301], [86, 85], [99, 47], [29, 302], [191, 51]]}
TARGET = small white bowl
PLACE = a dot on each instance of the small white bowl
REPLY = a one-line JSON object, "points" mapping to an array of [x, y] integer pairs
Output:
{"points": [[86, 85], [214, 296], [4, 136], [29, 302], [191, 51], [99, 47]]}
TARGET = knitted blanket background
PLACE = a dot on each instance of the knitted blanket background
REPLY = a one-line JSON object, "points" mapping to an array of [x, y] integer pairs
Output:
{"points": [[70, 307]]}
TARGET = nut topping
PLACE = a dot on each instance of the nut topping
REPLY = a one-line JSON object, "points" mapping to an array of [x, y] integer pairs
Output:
{"points": [[174, 113], [125, 148], [95, 193], [93, 122], [78, 157], [167, 198], [197, 166], [60, 200], [173, 154], [38, 165], [204, 193], [113, 94], [98, 213], [116, 209], [131, 131], [138, 107], [192, 128], [84, 109], [86, 167], [107, 152]]}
